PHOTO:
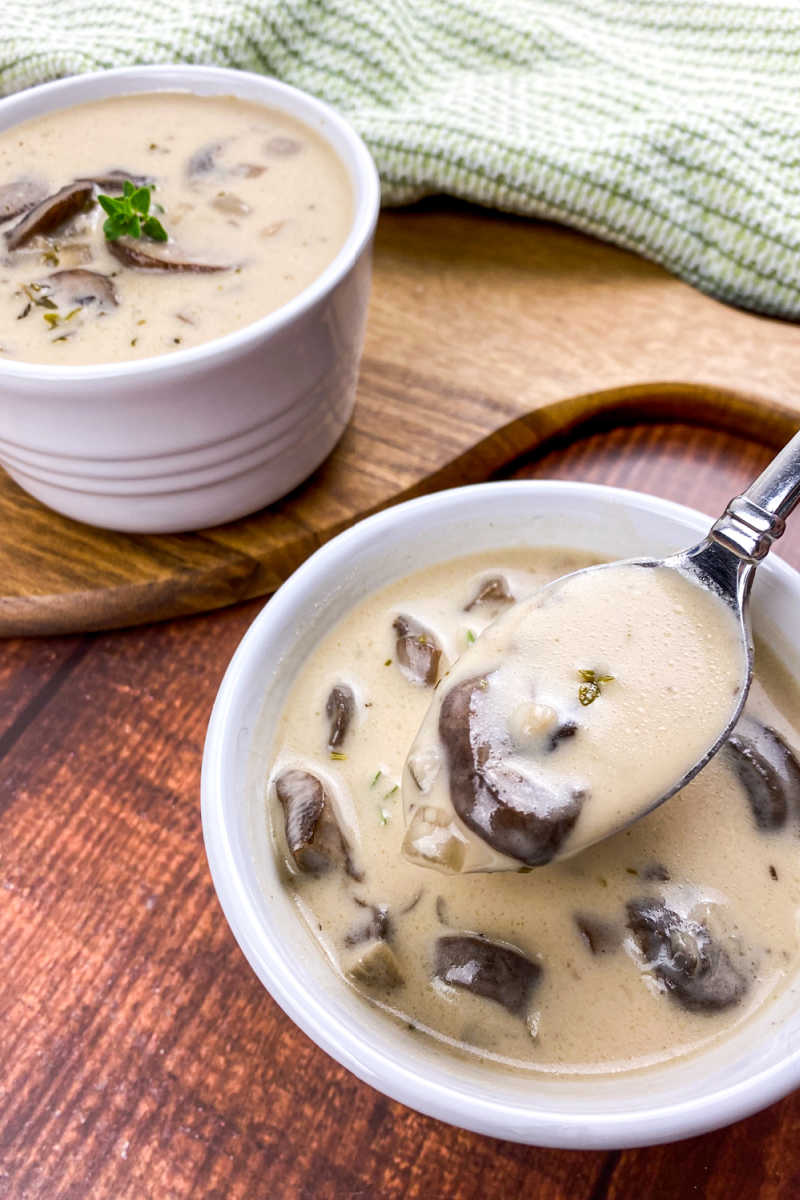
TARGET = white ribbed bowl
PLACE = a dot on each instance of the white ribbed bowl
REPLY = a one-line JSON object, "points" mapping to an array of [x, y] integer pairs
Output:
{"points": [[756, 1064], [211, 433]]}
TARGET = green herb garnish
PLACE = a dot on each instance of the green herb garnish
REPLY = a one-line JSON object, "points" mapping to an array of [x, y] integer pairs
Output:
{"points": [[396, 788], [335, 754], [470, 637], [375, 778], [592, 686], [383, 816], [129, 214]]}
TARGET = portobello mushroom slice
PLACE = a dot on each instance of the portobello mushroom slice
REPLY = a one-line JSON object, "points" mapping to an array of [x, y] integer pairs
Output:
{"points": [[376, 927], [282, 146], [18, 197], [492, 970], [376, 968], [51, 212], [768, 770], [115, 180], [601, 937], [418, 652], [563, 731], [655, 871], [204, 160], [79, 288], [695, 970], [339, 709], [131, 255], [494, 590], [315, 841], [519, 816]]}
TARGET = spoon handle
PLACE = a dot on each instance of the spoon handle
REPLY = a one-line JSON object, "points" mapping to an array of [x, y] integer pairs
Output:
{"points": [[754, 520]]}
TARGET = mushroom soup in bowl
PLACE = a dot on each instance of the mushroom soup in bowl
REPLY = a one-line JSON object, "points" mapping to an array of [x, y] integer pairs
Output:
{"points": [[643, 990], [238, 207], [185, 261]]}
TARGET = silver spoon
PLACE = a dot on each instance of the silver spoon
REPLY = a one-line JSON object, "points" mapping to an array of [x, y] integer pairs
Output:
{"points": [[723, 563]]}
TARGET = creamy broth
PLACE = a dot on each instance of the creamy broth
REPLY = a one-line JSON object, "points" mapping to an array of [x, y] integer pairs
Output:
{"points": [[236, 185], [649, 945], [588, 703]]}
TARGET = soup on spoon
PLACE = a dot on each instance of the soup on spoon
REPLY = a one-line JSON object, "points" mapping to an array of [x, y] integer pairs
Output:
{"points": [[574, 712], [659, 652]]}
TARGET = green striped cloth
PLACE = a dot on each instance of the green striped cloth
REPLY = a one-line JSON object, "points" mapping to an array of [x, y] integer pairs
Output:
{"points": [[666, 126]]}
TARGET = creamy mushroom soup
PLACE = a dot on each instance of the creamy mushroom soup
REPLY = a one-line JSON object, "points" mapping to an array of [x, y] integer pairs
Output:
{"points": [[649, 945], [254, 205]]}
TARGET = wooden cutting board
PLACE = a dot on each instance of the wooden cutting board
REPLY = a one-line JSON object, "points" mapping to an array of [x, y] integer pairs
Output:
{"points": [[488, 336]]}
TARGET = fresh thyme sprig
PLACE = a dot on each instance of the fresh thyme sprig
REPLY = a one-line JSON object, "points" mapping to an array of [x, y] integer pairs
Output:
{"points": [[129, 214]]}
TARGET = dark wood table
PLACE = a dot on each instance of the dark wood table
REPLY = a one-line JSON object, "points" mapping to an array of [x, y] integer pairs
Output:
{"points": [[140, 1057]]}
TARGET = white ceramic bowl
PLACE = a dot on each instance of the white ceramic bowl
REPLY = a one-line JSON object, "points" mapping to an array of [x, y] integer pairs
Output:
{"points": [[758, 1064], [207, 434]]}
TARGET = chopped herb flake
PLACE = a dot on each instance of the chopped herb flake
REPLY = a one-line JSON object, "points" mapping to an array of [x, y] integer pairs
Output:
{"points": [[336, 754], [591, 687]]}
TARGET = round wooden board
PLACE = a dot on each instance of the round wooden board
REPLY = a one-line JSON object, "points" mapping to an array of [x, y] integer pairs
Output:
{"points": [[480, 325]]}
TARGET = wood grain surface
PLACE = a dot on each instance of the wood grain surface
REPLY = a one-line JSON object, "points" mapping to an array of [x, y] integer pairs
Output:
{"points": [[140, 1059], [486, 334]]}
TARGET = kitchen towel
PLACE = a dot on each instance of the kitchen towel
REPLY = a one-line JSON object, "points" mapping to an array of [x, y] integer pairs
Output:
{"points": [[668, 127]]}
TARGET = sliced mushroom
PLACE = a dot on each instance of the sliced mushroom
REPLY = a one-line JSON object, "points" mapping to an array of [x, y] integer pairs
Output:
{"points": [[601, 937], [563, 731], [78, 289], [204, 160], [339, 709], [376, 968], [695, 970], [376, 927], [248, 170], [411, 904], [655, 871], [18, 197], [768, 770], [232, 205], [494, 590], [115, 180], [131, 255], [492, 970], [521, 817], [50, 212], [282, 146], [315, 841], [417, 650]]}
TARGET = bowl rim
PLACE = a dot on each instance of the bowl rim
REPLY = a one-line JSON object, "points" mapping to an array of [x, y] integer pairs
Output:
{"points": [[77, 89], [448, 1102]]}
